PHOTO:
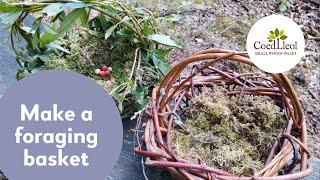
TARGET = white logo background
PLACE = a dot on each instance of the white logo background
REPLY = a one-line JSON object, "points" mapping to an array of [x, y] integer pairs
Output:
{"points": [[271, 62]]}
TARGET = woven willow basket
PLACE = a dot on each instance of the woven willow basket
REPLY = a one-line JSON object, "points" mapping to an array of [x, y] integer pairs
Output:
{"points": [[290, 148]]}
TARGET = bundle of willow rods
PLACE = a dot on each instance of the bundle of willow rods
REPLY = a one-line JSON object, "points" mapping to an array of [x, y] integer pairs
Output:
{"points": [[172, 97]]}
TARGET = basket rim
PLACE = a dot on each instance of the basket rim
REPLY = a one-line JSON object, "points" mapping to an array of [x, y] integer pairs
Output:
{"points": [[159, 126]]}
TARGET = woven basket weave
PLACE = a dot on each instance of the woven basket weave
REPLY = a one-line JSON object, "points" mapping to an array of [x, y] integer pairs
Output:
{"points": [[290, 148]]}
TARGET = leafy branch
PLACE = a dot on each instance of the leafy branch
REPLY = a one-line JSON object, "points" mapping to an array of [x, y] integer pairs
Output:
{"points": [[56, 22]]}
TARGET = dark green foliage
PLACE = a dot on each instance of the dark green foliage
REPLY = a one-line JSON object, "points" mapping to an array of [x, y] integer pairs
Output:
{"points": [[127, 38]]}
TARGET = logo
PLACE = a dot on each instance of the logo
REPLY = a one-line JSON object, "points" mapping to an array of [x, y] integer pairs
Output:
{"points": [[276, 35], [275, 44]]}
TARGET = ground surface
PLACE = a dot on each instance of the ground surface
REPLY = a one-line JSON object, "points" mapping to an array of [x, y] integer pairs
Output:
{"points": [[222, 24], [226, 23]]}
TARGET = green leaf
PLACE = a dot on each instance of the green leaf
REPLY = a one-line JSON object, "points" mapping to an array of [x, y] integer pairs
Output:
{"points": [[147, 29], [56, 8], [44, 58], [136, 40], [104, 22], [281, 33], [48, 36], [35, 40], [282, 7], [163, 39], [36, 26], [84, 18], [125, 32], [48, 29], [54, 46], [35, 70], [276, 32], [110, 31], [159, 58], [22, 74], [283, 37], [271, 32], [75, 5], [70, 20], [140, 95], [59, 16], [198, 1], [53, 9], [9, 8], [272, 36], [10, 18]]}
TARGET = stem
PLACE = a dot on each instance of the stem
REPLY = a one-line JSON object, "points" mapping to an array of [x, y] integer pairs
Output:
{"points": [[137, 28], [116, 18]]}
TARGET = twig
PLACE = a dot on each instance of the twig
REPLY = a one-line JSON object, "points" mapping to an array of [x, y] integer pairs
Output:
{"points": [[241, 92]]}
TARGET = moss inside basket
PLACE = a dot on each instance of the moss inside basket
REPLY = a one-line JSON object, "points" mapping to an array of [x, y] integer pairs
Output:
{"points": [[227, 132]]}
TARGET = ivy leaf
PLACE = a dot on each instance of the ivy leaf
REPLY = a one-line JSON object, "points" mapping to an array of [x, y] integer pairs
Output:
{"points": [[282, 7], [159, 58], [110, 31], [283, 37], [140, 95], [163, 39], [276, 32]]}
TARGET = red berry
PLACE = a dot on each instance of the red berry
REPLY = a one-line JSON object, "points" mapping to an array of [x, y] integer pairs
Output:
{"points": [[108, 73], [103, 73], [104, 68]]}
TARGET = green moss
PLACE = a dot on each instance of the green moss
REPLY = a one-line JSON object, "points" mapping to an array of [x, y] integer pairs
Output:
{"points": [[232, 28], [228, 133]]}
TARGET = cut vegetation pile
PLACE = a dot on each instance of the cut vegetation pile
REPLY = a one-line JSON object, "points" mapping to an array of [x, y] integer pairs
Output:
{"points": [[84, 36]]}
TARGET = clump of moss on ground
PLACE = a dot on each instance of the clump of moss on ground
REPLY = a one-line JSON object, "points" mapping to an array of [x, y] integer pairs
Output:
{"points": [[88, 52], [228, 133]]}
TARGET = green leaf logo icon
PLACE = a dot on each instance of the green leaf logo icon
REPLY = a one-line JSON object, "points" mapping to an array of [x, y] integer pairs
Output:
{"points": [[277, 34]]}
